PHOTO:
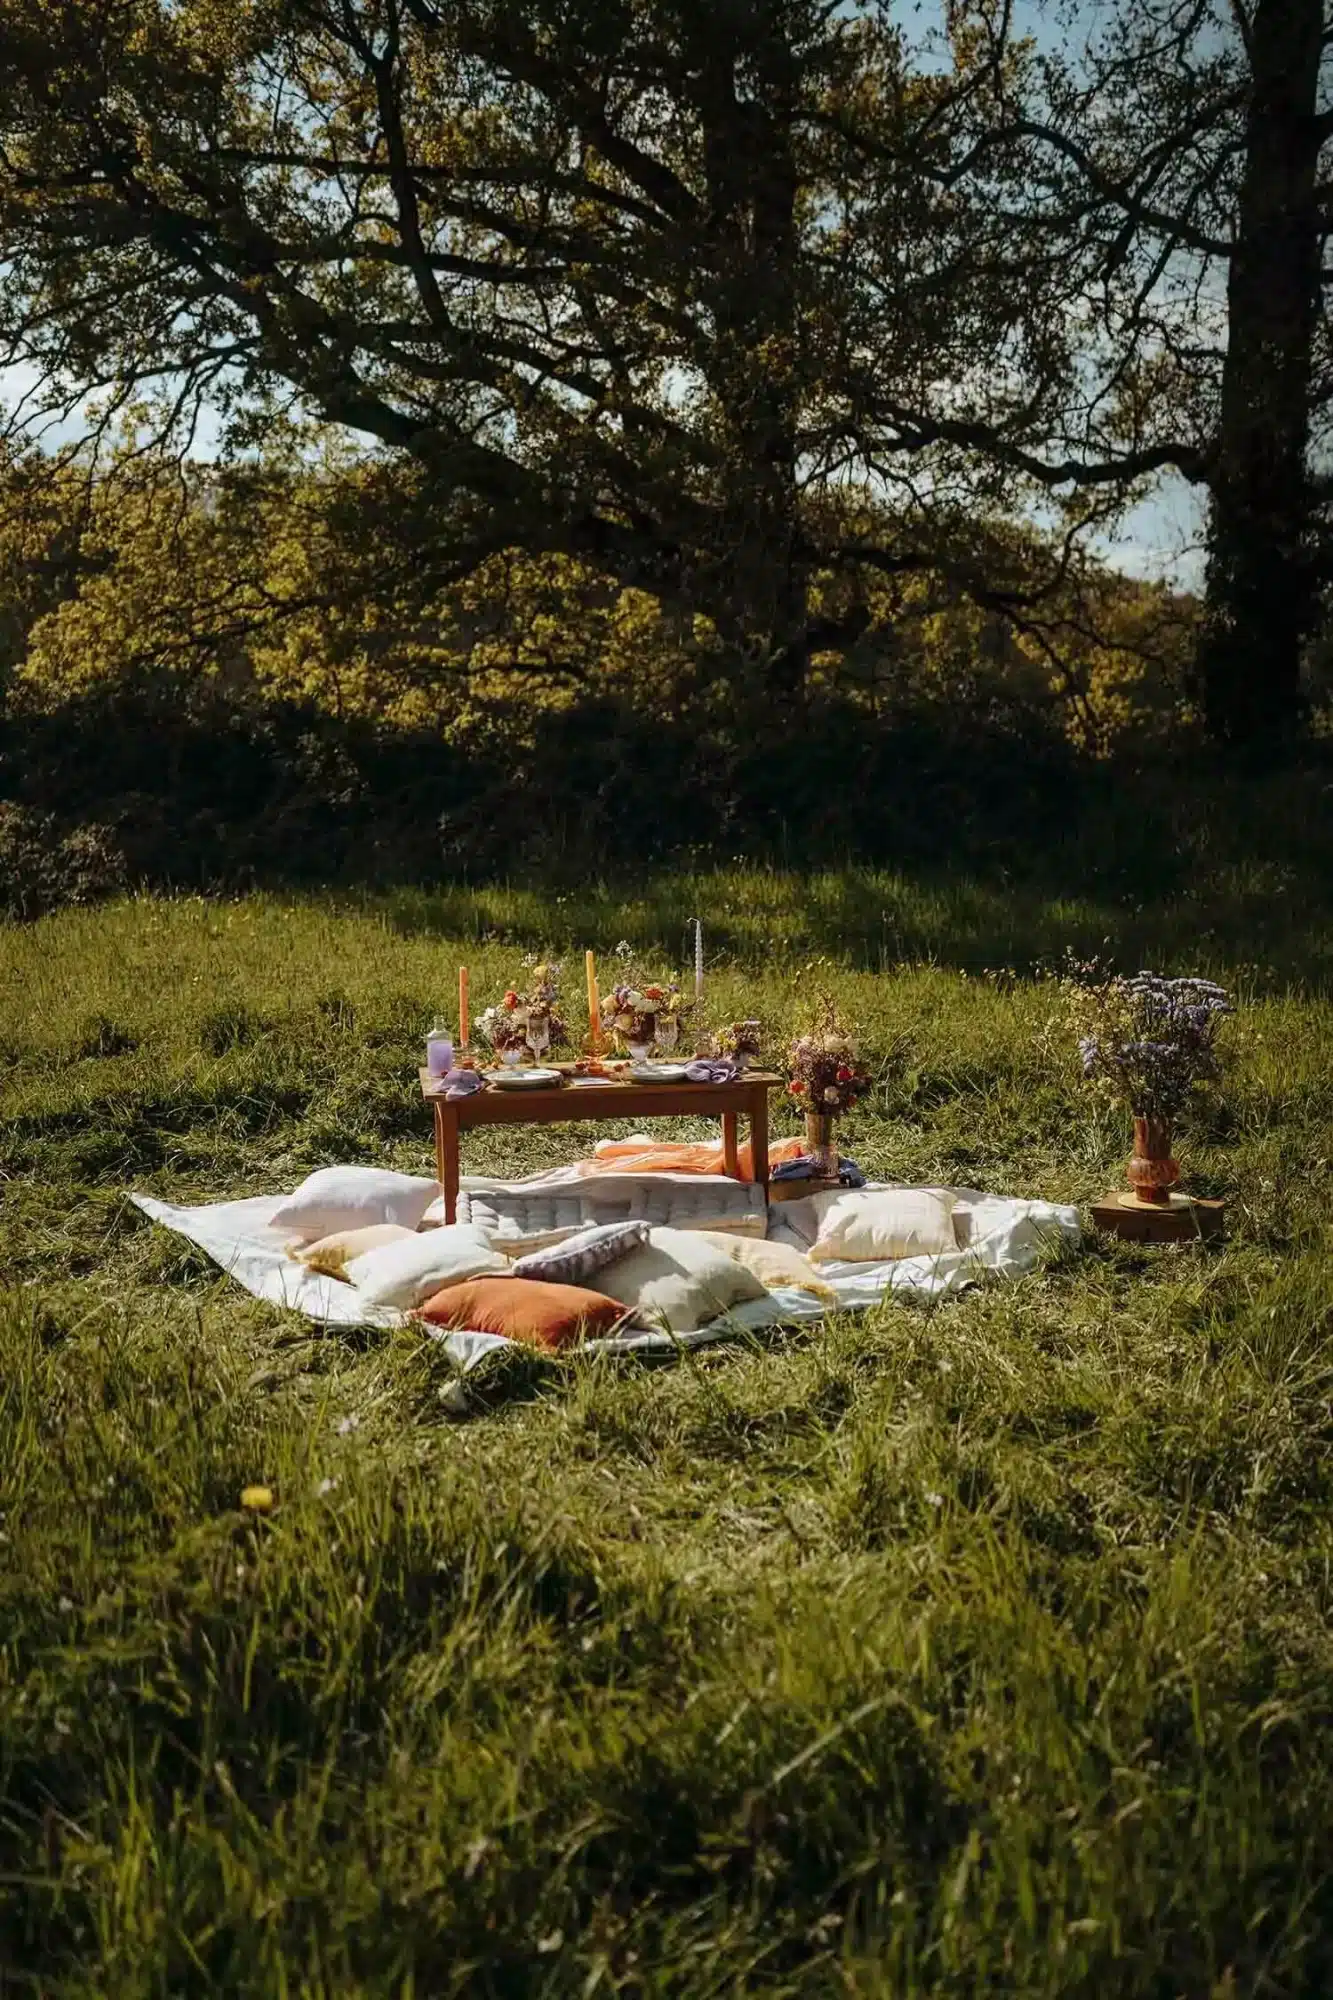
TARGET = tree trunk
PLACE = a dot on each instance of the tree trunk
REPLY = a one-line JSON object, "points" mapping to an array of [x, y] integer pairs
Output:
{"points": [[1261, 591], [753, 184]]}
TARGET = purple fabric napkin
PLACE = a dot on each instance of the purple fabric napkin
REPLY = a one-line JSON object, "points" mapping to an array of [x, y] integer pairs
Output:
{"points": [[711, 1069], [461, 1082]]}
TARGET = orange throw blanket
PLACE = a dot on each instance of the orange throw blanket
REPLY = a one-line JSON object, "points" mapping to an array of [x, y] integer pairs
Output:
{"points": [[664, 1156]]}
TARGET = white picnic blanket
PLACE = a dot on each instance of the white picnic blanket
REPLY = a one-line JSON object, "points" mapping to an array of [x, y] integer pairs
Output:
{"points": [[996, 1235]]}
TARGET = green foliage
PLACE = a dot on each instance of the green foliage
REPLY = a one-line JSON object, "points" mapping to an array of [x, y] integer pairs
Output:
{"points": [[303, 585], [938, 1651], [43, 865], [751, 316], [768, 327]]}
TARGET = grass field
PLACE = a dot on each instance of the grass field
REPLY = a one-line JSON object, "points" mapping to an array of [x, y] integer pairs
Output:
{"points": [[976, 1649]]}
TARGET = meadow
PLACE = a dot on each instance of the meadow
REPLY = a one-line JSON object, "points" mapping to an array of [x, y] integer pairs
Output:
{"points": [[975, 1648]]}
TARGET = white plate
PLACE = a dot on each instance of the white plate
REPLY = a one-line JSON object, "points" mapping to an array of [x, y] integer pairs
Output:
{"points": [[523, 1079], [658, 1072]]}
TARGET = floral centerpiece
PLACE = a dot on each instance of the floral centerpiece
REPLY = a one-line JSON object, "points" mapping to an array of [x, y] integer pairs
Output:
{"points": [[1150, 1044], [526, 1020], [501, 1027], [741, 1041], [827, 1079], [639, 1012]]}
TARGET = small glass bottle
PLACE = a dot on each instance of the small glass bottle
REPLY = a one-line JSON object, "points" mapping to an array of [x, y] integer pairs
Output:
{"points": [[439, 1050]]}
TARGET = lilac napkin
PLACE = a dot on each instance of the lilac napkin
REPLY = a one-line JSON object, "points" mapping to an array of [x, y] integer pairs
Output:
{"points": [[711, 1069], [461, 1082]]}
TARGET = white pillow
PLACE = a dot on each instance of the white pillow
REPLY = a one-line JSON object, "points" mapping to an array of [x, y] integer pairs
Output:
{"points": [[332, 1254], [774, 1264], [406, 1273], [352, 1198], [679, 1280], [880, 1225]]}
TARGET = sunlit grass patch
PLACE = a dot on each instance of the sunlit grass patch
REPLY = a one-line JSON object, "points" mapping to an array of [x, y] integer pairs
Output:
{"points": [[942, 1649]]}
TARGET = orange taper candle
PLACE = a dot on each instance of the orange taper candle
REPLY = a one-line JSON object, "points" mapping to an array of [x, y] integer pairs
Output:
{"points": [[463, 1023], [594, 1004]]}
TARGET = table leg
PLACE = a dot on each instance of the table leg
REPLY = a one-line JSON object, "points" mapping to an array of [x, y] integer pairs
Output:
{"points": [[759, 1136], [449, 1160], [731, 1152]]}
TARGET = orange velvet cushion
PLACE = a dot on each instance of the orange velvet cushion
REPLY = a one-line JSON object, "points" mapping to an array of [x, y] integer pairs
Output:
{"points": [[524, 1309]]}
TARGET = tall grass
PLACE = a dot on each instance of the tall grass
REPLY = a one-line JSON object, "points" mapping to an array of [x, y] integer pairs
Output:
{"points": [[981, 1648]]}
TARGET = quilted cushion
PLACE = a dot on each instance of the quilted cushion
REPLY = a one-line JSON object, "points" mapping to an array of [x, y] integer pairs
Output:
{"points": [[579, 1256], [352, 1198], [881, 1225], [680, 1280], [524, 1309], [519, 1219], [405, 1272]]}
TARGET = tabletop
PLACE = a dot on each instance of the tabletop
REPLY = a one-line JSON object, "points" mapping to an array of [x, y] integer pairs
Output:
{"points": [[599, 1097]]}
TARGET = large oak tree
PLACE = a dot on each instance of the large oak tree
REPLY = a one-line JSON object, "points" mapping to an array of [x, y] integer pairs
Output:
{"points": [[716, 298]]}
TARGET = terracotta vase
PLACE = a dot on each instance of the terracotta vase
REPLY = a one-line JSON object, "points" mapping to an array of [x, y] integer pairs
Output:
{"points": [[820, 1143], [1152, 1171]]}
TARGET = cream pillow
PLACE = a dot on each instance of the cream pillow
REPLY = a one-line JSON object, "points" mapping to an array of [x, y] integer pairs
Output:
{"points": [[880, 1225], [352, 1198], [331, 1253], [407, 1272], [680, 1279], [774, 1264]]}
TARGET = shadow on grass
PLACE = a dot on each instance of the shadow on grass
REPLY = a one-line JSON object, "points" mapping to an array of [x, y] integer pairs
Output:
{"points": [[980, 842]]}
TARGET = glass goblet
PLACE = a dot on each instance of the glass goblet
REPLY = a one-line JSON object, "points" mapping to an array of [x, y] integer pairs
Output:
{"points": [[539, 1038]]}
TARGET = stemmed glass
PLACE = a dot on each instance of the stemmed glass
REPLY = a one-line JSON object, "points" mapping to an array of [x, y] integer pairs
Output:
{"points": [[640, 1040], [668, 1031], [539, 1035]]}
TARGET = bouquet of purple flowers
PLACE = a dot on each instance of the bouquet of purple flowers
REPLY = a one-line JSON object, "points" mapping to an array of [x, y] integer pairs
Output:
{"points": [[1146, 1040]]}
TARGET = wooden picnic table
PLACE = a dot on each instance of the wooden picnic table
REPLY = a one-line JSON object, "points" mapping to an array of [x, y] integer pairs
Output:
{"points": [[601, 1098]]}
